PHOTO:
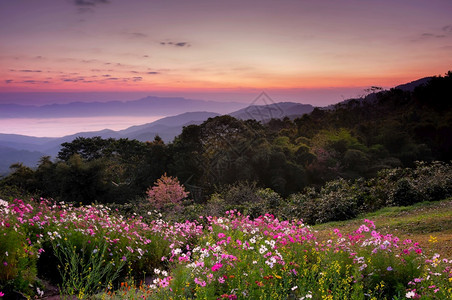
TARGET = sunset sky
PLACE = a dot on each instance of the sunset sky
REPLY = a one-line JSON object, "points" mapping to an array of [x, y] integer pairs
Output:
{"points": [[222, 49]]}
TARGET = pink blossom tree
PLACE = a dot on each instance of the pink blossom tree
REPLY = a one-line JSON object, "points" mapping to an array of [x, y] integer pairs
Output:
{"points": [[167, 191]]}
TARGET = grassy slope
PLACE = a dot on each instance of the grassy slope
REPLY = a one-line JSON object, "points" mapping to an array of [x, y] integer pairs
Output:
{"points": [[418, 222]]}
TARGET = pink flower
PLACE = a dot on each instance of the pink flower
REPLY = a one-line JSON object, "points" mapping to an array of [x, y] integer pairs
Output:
{"points": [[2, 294], [200, 282], [216, 267], [221, 235]]}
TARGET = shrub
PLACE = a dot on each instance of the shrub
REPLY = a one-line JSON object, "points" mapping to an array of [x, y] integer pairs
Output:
{"points": [[337, 202], [167, 193], [240, 193], [303, 206], [404, 193]]}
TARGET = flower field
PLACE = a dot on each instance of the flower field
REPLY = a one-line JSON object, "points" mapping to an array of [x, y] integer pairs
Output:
{"points": [[94, 252]]}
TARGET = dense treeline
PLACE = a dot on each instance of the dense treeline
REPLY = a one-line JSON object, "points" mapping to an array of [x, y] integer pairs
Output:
{"points": [[353, 139]]}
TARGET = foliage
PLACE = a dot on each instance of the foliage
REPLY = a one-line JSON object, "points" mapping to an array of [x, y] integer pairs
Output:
{"points": [[84, 271], [345, 199], [167, 192]]}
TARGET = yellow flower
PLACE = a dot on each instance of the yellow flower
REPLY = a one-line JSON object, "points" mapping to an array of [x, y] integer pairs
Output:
{"points": [[433, 239]]}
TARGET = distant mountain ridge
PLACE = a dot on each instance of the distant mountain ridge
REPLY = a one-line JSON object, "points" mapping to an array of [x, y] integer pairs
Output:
{"points": [[156, 106], [278, 110]]}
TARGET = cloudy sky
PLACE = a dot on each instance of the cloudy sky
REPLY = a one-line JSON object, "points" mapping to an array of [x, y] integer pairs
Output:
{"points": [[301, 50]]}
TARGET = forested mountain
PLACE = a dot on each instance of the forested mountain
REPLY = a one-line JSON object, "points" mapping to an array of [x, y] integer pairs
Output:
{"points": [[350, 140], [167, 128]]}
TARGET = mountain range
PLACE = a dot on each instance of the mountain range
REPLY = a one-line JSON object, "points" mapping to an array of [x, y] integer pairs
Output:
{"points": [[148, 106], [28, 150]]}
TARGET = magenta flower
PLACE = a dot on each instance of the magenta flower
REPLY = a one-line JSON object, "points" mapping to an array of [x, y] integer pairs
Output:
{"points": [[216, 267]]}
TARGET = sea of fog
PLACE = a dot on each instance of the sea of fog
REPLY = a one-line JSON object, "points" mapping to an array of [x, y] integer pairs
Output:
{"points": [[58, 127]]}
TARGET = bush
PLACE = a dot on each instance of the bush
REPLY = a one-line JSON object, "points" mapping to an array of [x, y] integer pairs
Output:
{"points": [[426, 182], [433, 181], [404, 194], [240, 193], [337, 202], [167, 193], [303, 206]]}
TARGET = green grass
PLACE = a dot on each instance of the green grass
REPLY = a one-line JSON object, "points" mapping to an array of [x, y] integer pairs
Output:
{"points": [[419, 222]]}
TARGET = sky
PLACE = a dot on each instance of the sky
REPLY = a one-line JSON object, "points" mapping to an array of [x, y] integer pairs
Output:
{"points": [[316, 52]]}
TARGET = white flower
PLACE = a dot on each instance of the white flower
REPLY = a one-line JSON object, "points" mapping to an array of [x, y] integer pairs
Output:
{"points": [[262, 249], [156, 271], [294, 288], [269, 263], [164, 273], [410, 294], [308, 296]]}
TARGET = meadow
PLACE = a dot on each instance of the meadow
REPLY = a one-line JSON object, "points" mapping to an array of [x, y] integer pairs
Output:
{"points": [[93, 251]]}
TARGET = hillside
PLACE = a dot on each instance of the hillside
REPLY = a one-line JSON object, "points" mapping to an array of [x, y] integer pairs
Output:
{"points": [[429, 223]]}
